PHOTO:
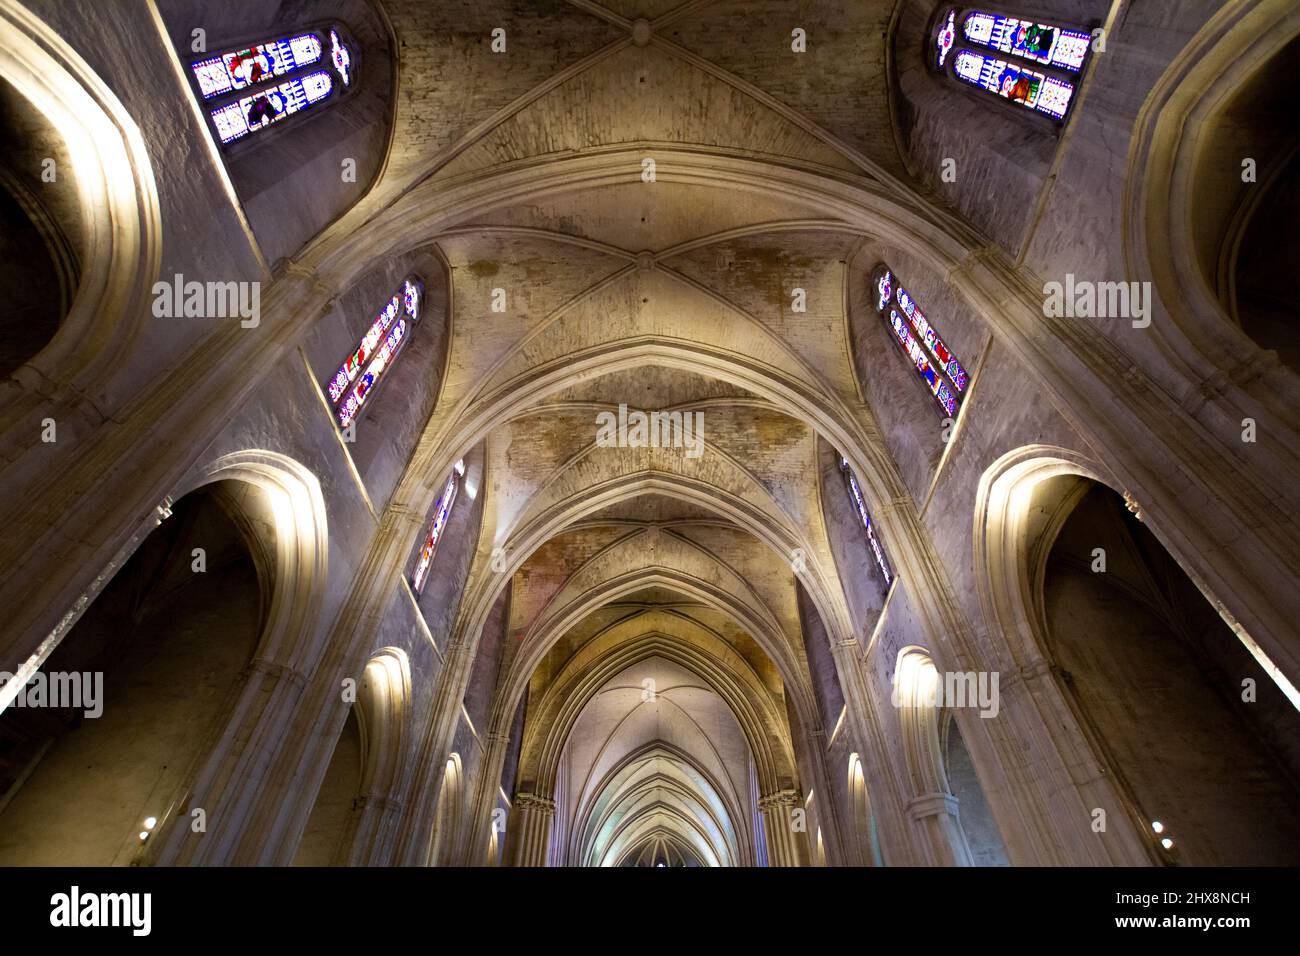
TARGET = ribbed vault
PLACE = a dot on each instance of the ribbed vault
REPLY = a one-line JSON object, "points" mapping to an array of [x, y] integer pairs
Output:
{"points": [[654, 751], [629, 218], [638, 653]]}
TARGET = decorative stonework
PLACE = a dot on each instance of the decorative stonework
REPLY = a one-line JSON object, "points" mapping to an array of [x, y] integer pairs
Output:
{"points": [[532, 803], [779, 799]]}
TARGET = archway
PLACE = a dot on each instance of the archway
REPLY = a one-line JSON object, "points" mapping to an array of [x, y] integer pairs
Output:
{"points": [[1208, 143], [1240, 155], [1201, 741], [442, 847], [654, 750], [40, 229], [352, 816], [1260, 247], [168, 641], [104, 203], [922, 695], [862, 826], [982, 835]]}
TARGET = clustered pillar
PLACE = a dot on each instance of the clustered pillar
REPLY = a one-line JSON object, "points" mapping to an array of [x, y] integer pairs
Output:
{"points": [[529, 829], [787, 844]]}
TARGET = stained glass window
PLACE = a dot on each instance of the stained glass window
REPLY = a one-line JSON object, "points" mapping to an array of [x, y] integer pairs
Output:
{"points": [[356, 378], [1015, 82], [946, 37], [240, 69], [944, 376], [441, 512], [864, 516], [1041, 42], [341, 57], [253, 87], [236, 120], [1029, 63]]}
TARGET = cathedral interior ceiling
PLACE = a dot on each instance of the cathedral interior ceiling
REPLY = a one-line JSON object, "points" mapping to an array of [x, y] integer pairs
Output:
{"points": [[650, 353], [646, 547]]}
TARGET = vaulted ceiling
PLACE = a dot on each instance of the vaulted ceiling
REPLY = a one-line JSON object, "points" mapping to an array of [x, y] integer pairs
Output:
{"points": [[670, 292]]}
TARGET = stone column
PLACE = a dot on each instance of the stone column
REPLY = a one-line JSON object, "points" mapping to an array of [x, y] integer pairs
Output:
{"points": [[370, 843], [898, 842], [936, 814], [529, 829], [243, 801], [785, 845]]}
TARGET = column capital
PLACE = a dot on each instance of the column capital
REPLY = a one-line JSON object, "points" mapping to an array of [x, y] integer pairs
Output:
{"points": [[932, 805], [275, 669], [779, 798], [534, 802], [896, 504], [379, 801]]}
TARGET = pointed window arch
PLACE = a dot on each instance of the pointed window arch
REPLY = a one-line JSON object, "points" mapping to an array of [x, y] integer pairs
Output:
{"points": [[247, 89], [441, 513], [860, 506], [1025, 62], [944, 376], [361, 372]]}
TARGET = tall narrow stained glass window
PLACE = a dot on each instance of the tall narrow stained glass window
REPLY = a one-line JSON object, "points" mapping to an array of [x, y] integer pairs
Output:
{"points": [[247, 89], [441, 512], [860, 506], [361, 372], [1032, 64], [944, 376]]}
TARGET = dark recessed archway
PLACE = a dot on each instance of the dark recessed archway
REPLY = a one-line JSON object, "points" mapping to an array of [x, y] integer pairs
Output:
{"points": [[40, 230], [1161, 685], [170, 638]]}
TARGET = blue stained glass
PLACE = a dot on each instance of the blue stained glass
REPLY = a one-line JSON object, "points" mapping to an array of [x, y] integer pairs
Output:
{"points": [[441, 512], [946, 37], [369, 342], [410, 298], [1014, 82], [381, 363], [865, 517], [240, 69], [252, 87], [945, 359], [914, 352], [259, 110], [884, 289], [361, 371], [1055, 98], [341, 58], [412, 293], [1040, 42], [932, 359], [945, 399]]}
